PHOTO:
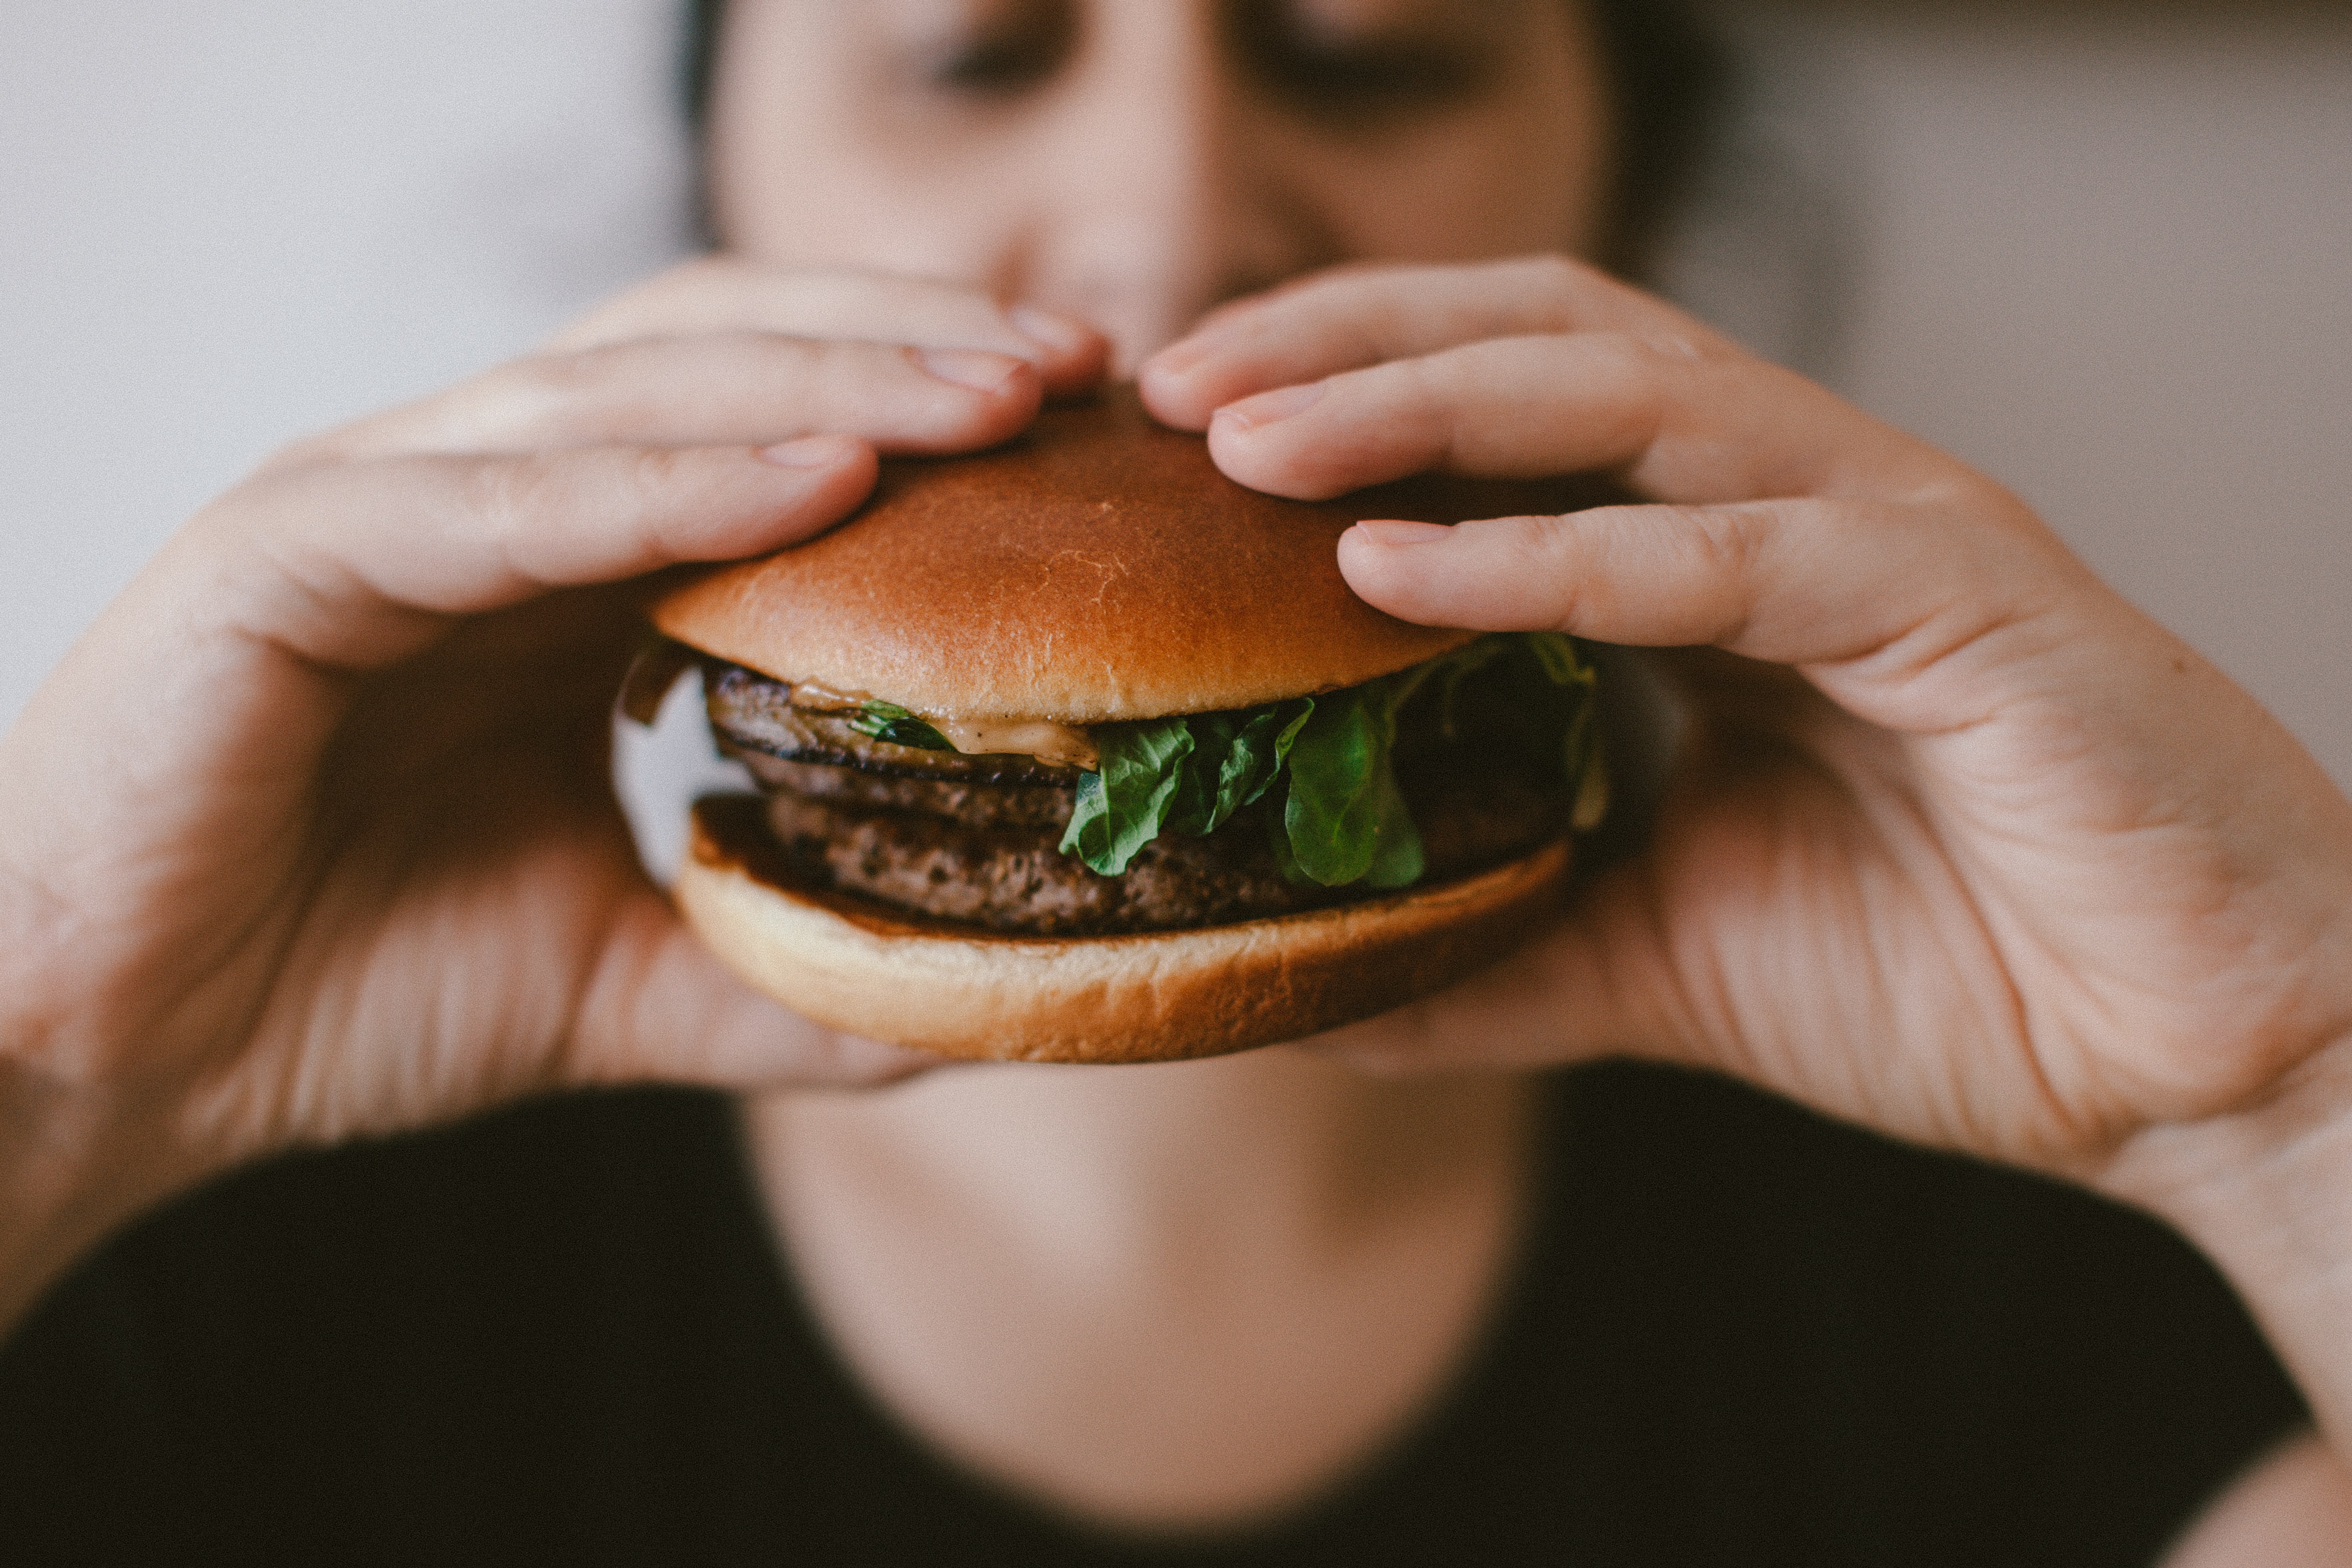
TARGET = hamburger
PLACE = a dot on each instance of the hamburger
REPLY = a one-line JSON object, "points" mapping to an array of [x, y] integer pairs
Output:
{"points": [[1077, 749]]}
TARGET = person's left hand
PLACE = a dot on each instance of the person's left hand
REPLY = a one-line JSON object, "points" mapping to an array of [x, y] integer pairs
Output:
{"points": [[1963, 847]]}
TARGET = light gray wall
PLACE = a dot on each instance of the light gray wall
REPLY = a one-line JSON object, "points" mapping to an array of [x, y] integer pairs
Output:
{"points": [[2108, 258], [224, 223]]}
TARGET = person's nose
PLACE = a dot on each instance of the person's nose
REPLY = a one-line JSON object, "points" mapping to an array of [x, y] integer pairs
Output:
{"points": [[1175, 197]]}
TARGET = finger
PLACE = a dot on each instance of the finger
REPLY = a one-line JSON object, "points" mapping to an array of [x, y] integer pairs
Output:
{"points": [[1677, 424], [717, 294], [357, 566], [239, 639], [661, 1008], [1695, 952], [732, 388], [1889, 591], [199, 702], [1350, 318]]}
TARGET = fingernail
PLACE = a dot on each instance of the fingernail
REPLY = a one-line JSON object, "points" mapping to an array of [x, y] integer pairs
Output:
{"points": [[973, 368], [1055, 334], [1269, 407], [808, 452], [1396, 531], [1211, 334]]}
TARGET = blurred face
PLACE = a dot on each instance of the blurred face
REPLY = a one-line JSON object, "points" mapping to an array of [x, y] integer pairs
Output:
{"points": [[1137, 160]]}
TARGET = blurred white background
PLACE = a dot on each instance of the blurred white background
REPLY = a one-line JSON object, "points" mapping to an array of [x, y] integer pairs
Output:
{"points": [[225, 223], [2104, 253]]}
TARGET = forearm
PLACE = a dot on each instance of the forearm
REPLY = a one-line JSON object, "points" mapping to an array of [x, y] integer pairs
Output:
{"points": [[2266, 1193]]}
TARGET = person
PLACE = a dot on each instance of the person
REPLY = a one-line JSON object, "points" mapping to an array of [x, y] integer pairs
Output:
{"points": [[310, 841]]}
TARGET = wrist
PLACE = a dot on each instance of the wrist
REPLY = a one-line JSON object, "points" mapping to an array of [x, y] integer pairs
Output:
{"points": [[90, 1134], [2265, 1191], [74, 1165]]}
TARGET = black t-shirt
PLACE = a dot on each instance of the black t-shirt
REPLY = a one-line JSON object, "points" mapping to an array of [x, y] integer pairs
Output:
{"points": [[1740, 1335]]}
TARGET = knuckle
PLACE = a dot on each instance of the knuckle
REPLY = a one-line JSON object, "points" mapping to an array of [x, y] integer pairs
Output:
{"points": [[1731, 541], [1671, 350], [1546, 537], [655, 473], [1624, 385], [504, 498], [1548, 287], [1636, 355], [1548, 550], [1445, 419], [654, 478], [1638, 371]]}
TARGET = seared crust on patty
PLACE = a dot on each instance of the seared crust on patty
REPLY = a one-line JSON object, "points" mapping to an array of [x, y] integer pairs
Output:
{"points": [[1018, 880], [977, 865], [979, 804]]}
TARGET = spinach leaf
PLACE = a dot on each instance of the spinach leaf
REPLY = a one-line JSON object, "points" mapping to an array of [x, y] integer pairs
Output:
{"points": [[889, 722], [1194, 809], [1123, 804], [1557, 654], [1447, 675], [1255, 761], [1581, 765], [1325, 765], [1345, 816]]}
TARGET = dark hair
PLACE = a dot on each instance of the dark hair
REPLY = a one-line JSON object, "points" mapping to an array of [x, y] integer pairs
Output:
{"points": [[1668, 75]]}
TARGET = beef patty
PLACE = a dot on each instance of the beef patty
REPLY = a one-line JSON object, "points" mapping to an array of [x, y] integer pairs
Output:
{"points": [[977, 838]]}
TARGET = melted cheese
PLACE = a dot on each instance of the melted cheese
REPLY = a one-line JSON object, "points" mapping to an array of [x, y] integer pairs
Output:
{"points": [[1039, 737], [816, 699], [1061, 744]]}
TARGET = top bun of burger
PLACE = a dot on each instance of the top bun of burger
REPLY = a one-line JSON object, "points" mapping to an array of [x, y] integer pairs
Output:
{"points": [[957, 707], [1099, 568]]}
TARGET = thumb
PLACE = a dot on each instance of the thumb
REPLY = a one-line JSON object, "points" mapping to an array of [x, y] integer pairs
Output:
{"points": [[1599, 983], [661, 1008]]}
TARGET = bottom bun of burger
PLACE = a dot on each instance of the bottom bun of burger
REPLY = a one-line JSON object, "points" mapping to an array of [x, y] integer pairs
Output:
{"points": [[858, 966]]}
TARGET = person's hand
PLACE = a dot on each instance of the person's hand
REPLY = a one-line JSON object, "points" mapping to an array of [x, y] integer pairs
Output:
{"points": [[1961, 846], [312, 833]]}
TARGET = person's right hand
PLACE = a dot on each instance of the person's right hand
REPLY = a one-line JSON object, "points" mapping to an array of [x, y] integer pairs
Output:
{"points": [[312, 834]]}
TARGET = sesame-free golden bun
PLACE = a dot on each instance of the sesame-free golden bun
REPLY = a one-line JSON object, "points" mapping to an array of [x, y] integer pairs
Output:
{"points": [[1098, 568]]}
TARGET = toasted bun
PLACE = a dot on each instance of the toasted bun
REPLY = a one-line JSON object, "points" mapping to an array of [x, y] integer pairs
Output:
{"points": [[1160, 996], [1099, 568]]}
